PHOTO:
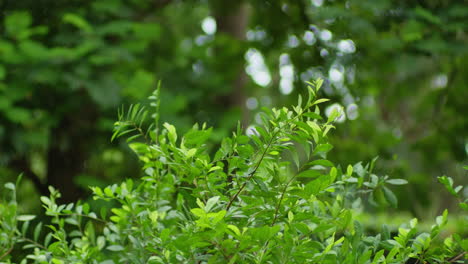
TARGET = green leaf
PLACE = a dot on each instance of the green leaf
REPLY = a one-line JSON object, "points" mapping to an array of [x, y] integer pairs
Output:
{"points": [[108, 191], [191, 152], [263, 133], [242, 139], [235, 229], [390, 197], [19, 115], [321, 162], [97, 191], [395, 249], [427, 15], [200, 203], [115, 248], [327, 129], [214, 168], [441, 220], [24, 227], [261, 184], [171, 132], [349, 170], [198, 212], [463, 206], [265, 233], [101, 242], [25, 217], [365, 257], [57, 261], [309, 174], [397, 181], [90, 232], [314, 126], [318, 84], [323, 148], [37, 231], [154, 215], [85, 208], [17, 22], [336, 112], [333, 174], [448, 183], [312, 115], [378, 257], [211, 203], [319, 101], [218, 216], [10, 186], [78, 22], [45, 200], [197, 137], [358, 229], [316, 186]]}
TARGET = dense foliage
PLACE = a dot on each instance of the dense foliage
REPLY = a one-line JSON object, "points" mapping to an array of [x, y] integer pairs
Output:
{"points": [[398, 69], [270, 196], [397, 66]]}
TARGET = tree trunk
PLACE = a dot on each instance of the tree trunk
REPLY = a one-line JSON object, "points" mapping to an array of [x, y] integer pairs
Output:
{"points": [[232, 19], [71, 143]]}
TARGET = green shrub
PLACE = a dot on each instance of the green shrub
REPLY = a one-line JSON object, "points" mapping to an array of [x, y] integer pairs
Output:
{"points": [[267, 197]]}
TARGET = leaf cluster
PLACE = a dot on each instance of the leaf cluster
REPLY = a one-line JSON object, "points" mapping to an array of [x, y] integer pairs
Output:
{"points": [[266, 196]]}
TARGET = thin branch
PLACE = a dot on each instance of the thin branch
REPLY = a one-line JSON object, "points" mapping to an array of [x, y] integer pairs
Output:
{"points": [[457, 257], [6, 253], [262, 157], [251, 174], [34, 242], [222, 250], [284, 191], [30, 241], [281, 198]]}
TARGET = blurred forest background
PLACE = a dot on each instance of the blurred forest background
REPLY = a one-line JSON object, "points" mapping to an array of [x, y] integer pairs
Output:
{"points": [[398, 68]]}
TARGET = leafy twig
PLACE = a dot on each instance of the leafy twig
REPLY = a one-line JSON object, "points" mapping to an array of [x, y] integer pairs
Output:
{"points": [[263, 156], [251, 174], [457, 257]]}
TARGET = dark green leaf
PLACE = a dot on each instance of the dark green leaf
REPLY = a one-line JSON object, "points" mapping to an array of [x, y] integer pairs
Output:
{"points": [[390, 197]]}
